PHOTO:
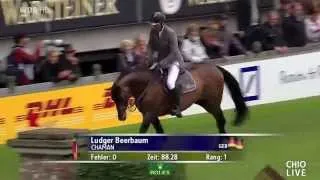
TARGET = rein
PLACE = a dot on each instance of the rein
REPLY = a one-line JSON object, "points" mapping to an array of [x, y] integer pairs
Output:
{"points": [[140, 98], [162, 75]]}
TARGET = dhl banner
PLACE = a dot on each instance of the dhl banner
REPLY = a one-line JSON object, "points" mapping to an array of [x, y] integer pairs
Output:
{"points": [[89, 107]]}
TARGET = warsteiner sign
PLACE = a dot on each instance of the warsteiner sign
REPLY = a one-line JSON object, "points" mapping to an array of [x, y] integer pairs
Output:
{"points": [[39, 16], [43, 16], [24, 12]]}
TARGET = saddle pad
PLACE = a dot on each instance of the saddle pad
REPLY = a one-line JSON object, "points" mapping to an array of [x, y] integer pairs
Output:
{"points": [[187, 82]]}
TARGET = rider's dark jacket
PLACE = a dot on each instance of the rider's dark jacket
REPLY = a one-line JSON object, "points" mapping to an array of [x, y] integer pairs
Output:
{"points": [[163, 47]]}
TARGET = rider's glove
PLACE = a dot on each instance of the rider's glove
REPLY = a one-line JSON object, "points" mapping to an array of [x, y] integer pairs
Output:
{"points": [[155, 55], [153, 66]]}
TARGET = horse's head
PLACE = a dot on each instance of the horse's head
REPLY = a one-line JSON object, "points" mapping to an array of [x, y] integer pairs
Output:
{"points": [[126, 86], [120, 95]]}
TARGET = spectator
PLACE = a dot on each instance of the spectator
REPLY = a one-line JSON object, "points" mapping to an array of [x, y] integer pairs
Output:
{"points": [[224, 21], [226, 41], [129, 61], [233, 44], [192, 47], [69, 64], [313, 26], [214, 24], [285, 8], [140, 47], [21, 62], [253, 34], [294, 26], [50, 70], [243, 15], [272, 34], [209, 40], [308, 5]]}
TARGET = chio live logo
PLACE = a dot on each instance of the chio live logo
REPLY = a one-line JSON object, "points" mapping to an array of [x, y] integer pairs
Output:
{"points": [[296, 168]]}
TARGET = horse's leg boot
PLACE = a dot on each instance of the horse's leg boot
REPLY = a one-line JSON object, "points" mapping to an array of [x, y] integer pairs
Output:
{"points": [[177, 100]]}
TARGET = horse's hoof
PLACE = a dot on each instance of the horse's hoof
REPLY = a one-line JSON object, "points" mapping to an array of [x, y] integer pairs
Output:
{"points": [[178, 115], [241, 118]]}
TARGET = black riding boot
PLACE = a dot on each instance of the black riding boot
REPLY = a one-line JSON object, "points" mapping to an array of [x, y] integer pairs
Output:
{"points": [[176, 93]]}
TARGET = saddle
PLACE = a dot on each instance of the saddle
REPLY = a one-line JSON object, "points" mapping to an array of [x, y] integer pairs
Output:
{"points": [[185, 81]]}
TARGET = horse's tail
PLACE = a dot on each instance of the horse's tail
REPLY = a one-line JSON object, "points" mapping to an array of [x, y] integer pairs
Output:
{"points": [[238, 99]]}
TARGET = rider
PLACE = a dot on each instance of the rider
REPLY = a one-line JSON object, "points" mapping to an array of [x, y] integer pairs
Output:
{"points": [[164, 51]]}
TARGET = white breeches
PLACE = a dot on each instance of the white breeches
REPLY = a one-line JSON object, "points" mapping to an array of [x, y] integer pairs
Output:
{"points": [[173, 76]]}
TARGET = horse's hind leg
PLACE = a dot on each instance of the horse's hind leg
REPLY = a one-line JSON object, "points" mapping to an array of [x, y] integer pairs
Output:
{"points": [[217, 112], [221, 121], [157, 125]]}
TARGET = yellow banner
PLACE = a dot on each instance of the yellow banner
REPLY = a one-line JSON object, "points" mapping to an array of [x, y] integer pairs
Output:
{"points": [[89, 107]]}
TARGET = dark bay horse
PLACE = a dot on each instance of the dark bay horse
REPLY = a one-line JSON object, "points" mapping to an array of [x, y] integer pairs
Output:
{"points": [[153, 101]]}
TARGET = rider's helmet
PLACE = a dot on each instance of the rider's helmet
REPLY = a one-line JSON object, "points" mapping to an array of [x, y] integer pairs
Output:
{"points": [[158, 17]]}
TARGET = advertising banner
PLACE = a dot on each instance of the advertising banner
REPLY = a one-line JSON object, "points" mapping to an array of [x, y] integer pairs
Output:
{"points": [[275, 80], [89, 107], [40, 16], [279, 79], [176, 9]]}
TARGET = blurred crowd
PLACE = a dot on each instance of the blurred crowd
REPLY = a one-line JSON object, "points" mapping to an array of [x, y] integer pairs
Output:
{"points": [[59, 62], [293, 25]]}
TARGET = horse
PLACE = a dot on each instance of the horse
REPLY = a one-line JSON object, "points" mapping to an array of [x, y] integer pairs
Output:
{"points": [[152, 100]]}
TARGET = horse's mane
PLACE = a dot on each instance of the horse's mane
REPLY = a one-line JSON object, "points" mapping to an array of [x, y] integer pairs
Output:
{"points": [[138, 74]]}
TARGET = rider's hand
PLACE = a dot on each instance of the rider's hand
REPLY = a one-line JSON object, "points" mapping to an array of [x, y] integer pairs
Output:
{"points": [[153, 66], [155, 55], [162, 63]]}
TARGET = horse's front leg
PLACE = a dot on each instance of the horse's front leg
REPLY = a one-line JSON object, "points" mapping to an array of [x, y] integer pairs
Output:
{"points": [[145, 123], [157, 124]]}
